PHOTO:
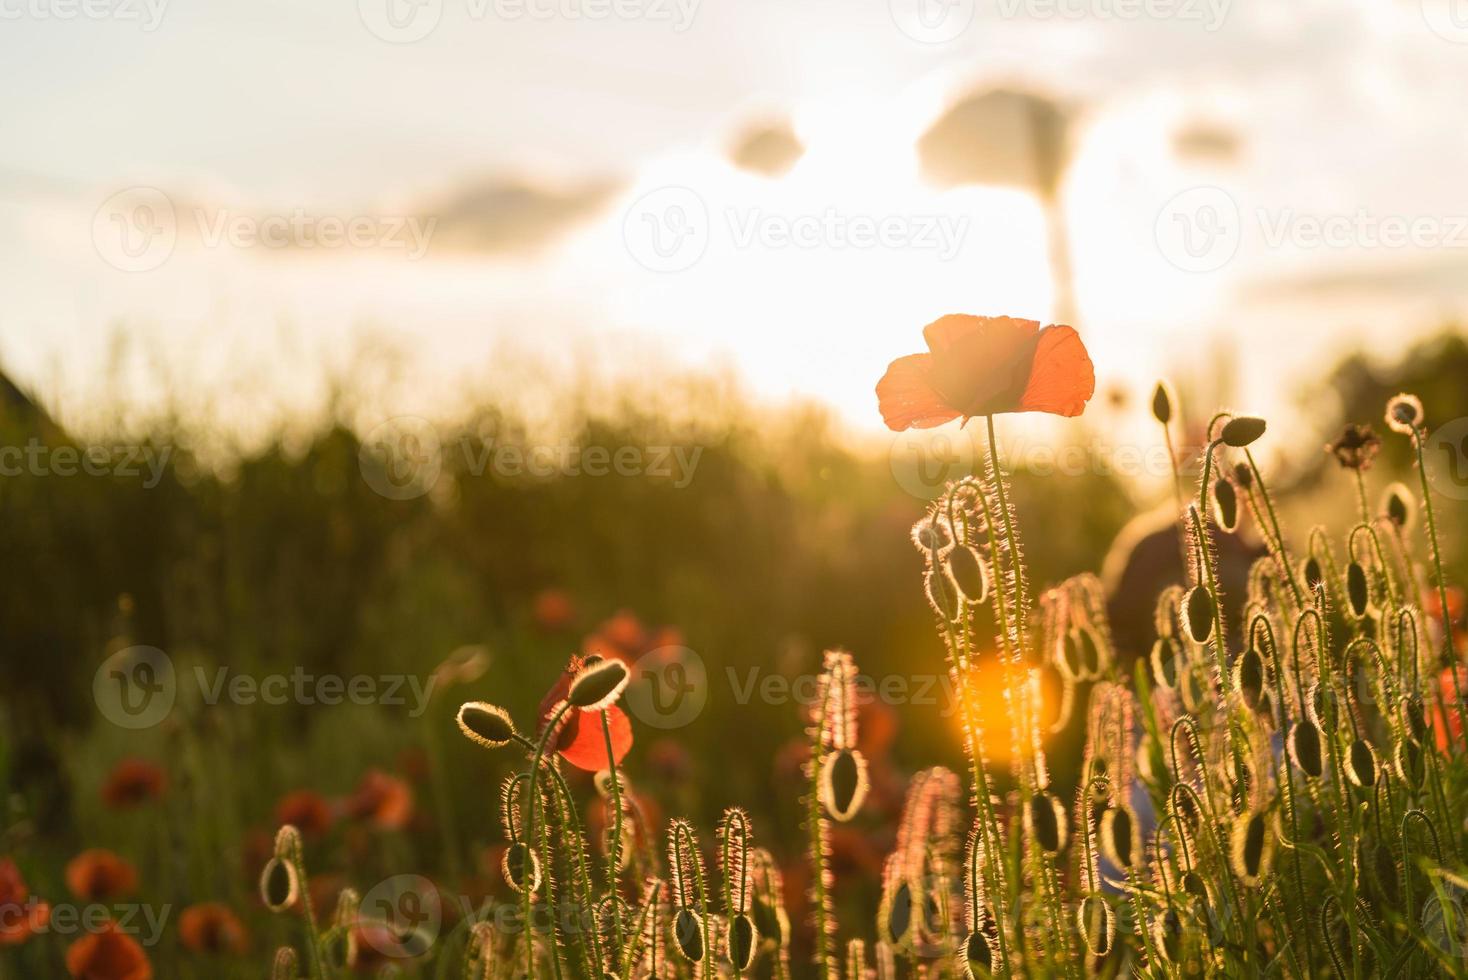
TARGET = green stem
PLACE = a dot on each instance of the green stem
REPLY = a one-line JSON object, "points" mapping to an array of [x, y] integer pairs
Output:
{"points": [[531, 810], [614, 849], [1450, 652], [1284, 558]]}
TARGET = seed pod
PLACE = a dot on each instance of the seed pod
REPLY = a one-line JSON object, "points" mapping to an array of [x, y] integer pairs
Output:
{"points": [[1361, 764], [967, 572], [978, 954], [1121, 841], [1241, 430], [1198, 614], [942, 594], [1166, 658], [1400, 505], [1410, 764], [1162, 402], [1046, 822], [1225, 504], [844, 783], [1253, 847], [743, 941], [513, 864], [598, 684], [899, 912], [1097, 924], [1356, 589], [1305, 748], [1167, 933], [688, 935], [1414, 719], [488, 725], [280, 888], [1314, 577], [1249, 677]]}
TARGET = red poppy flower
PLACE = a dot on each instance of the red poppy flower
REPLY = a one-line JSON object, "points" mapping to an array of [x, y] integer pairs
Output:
{"points": [[582, 742], [108, 954], [553, 610], [20, 913], [983, 365], [97, 875], [131, 782], [212, 928], [385, 800], [306, 810]]}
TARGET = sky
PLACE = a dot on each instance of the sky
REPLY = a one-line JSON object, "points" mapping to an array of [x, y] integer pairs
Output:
{"points": [[251, 191]]}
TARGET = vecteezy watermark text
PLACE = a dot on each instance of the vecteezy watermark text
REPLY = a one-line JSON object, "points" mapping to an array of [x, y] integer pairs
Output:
{"points": [[36, 458], [407, 21], [144, 922], [148, 14]]}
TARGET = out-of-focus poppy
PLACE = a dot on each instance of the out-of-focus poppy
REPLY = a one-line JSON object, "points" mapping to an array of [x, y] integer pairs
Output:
{"points": [[552, 610], [211, 927], [108, 954], [21, 914], [982, 365], [384, 800], [133, 782], [97, 875], [306, 810], [1449, 731], [1356, 447], [581, 741]]}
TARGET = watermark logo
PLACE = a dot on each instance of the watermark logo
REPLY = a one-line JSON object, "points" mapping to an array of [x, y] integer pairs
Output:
{"points": [[1446, 453], [1448, 19], [669, 687], [667, 230], [1445, 919], [1209, 13], [1199, 229], [401, 458], [400, 21], [932, 21], [135, 687], [924, 461], [404, 916], [135, 230]]}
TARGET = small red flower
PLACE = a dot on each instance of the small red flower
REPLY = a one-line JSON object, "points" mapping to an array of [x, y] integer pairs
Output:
{"points": [[20, 913], [384, 800], [132, 782], [212, 928], [97, 875], [108, 954], [582, 742], [553, 610], [306, 810], [982, 365]]}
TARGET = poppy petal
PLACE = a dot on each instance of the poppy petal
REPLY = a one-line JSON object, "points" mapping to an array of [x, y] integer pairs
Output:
{"points": [[583, 744], [956, 329], [1063, 378], [906, 398]]}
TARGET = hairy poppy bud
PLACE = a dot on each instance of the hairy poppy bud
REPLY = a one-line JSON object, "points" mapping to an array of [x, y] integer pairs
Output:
{"points": [[1162, 402], [1241, 431], [1361, 764], [1225, 504], [1399, 504], [1312, 573], [1120, 840], [978, 954], [488, 725], [1410, 764], [1097, 923], [1253, 847], [942, 594], [1404, 413], [1166, 662], [1167, 932], [688, 935], [1305, 750], [1046, 823], [899, 912], [968, 574], [1249, 677], [513, 867], [1198, 614], [844, 784], [743, 941], [1357, 590], [932, 534], [598, 685]]}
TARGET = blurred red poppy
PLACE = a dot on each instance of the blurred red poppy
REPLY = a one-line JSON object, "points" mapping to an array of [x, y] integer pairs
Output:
{"points": [[582, 742], [553, 610], [20, 913], [306, 810], [982, 365], [384, 800], [98, 874], [132, 782], [211, 927], [108, 954]]}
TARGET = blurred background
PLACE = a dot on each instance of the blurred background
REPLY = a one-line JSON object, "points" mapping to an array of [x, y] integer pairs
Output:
{"points": [[347, 340]]}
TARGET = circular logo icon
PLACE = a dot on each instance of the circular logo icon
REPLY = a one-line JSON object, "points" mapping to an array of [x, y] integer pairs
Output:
{"points": [[1445, 919], [924, 461], [669, 687], [135, 687], [136, 229], [667, 230], [1446, 453], [932, 21], [401, 458], [402, 916], [400, 21], [1199, 229], [1448, 19]]}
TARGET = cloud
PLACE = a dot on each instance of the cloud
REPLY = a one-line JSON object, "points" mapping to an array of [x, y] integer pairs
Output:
{"points": [[769, 150], [513, 215]]}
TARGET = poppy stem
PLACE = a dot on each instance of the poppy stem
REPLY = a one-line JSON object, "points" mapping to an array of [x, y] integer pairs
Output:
{"points": [[614, 848], [1450, 653], [532, 809]]}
